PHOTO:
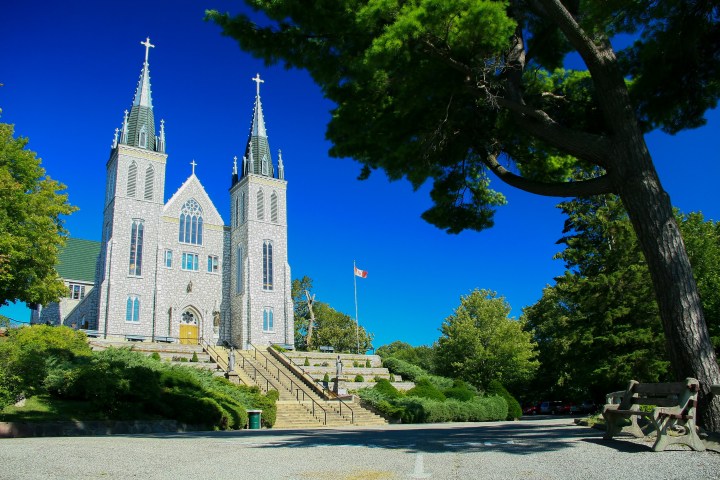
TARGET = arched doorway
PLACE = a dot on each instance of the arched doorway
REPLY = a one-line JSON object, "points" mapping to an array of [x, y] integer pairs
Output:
{"points": [[189, 327]]}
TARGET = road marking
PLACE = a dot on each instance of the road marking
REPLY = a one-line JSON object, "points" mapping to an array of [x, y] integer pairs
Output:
{"points": [[419, 468]]}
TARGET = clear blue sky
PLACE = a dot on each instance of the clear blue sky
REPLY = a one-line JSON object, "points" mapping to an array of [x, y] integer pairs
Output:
{"points": [[70, 68]]}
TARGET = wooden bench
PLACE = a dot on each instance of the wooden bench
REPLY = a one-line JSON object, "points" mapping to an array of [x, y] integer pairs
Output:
{"points": [[327, 349], [165, 339], [135, 338], [673, 418]]}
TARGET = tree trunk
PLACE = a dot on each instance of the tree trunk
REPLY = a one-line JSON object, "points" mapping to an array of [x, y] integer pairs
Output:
{"points": [[688, 342]]}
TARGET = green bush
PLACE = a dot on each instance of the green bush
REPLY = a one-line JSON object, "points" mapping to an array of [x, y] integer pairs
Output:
{"points": [[267, 403], [355, 363], [460, 391], [25, 354], [155, 356], [183, 359], [194, 357], [414, 373], [425, 389], [392, 377], [359, 378], [514, 409], [326, 378], [367, 363], [306, 363], [385, 388]]}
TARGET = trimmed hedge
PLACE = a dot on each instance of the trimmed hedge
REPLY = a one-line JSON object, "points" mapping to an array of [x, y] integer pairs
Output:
{"points": [[423, 410], [514, 409], [414, 373]]}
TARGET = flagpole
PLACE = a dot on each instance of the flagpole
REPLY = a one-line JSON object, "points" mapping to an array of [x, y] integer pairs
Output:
{"points": [[357, 322]]}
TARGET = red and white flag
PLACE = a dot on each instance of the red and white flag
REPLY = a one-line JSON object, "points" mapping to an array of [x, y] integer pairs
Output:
{"points": [[360, 273]]}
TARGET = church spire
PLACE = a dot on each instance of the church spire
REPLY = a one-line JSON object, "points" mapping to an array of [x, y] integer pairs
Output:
{"points": [[258, 148], [139, 126]]}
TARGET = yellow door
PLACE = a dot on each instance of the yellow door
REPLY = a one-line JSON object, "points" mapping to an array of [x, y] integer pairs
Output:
{"points": [[188, 334]]}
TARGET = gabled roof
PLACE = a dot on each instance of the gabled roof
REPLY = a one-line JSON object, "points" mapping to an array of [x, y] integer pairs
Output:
{"points": [[77, 260], [192, 188]]}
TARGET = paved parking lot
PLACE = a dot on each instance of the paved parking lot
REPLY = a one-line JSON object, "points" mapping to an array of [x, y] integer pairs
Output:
{"points": [[537, 448]]}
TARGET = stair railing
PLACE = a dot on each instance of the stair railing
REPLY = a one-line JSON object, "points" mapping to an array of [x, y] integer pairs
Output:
{"points": [[309, 381], [215, 355], [292, 386]]}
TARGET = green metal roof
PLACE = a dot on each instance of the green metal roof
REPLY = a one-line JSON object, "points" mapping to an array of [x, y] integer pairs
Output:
{"points": [[77, 260]]}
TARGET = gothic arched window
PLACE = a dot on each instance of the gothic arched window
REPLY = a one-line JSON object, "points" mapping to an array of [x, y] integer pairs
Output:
{"points": [[267, 265], [136, 246], [274, 207], [132, 179], [142, 140], [132, 309], [260, 205], [191, 223], [149, 182]]}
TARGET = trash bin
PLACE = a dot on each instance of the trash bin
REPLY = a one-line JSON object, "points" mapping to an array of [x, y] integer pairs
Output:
{"points": [[254, 419]]}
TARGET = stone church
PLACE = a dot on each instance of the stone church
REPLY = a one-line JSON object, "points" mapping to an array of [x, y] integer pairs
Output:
{"points": [[176, 271]]}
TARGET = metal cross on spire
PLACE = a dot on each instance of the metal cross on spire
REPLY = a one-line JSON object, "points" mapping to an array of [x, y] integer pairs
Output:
{"points": [[193, 166], [148, 46], [258, 82]]}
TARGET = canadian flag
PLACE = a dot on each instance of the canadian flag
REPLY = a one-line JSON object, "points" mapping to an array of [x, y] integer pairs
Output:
{"points": [[360, 273]]}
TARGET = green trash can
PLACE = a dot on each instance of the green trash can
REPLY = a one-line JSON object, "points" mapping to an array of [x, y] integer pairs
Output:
{"points": [[254, 419]]}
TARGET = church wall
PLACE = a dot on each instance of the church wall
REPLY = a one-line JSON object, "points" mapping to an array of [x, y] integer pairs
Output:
{"points": [[112, 307], [249, 306], [175, 295]]}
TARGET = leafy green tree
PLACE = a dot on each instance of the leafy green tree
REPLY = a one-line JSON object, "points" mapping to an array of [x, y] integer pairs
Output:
{"points": [[331, 328], [480, 343], [596, 328], [450, 90], [31, 225], [338, 330], [422, 356]]}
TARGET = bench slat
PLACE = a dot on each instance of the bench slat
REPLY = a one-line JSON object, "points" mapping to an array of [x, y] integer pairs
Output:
{"points": [[657, 401], [660, 388]]}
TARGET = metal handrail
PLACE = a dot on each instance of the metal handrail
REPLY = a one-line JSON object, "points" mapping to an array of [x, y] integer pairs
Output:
{"points": [[282, 358], [292, 385], [212, 351]]}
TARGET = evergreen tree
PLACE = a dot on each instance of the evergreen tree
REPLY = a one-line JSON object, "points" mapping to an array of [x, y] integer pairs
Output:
{"points": [[450, 90]]}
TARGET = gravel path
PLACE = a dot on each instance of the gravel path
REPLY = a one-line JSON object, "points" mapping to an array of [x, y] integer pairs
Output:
{"points": [[551, 448]]}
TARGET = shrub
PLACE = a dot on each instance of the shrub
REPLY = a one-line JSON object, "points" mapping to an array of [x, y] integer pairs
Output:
{"points": [[25, 353], [155, 356], [267, 403], [460, 391], [367, 363], [514, 409], [359, 378], [425, 389], [194, 357], [306, 363], [414, 373], [326, 378], [183, 359], [355, 363], [392, 377], [385, 388]]}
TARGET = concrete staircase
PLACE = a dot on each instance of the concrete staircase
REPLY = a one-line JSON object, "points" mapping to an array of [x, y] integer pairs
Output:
{"points": [[174, 353], [299, 405]]}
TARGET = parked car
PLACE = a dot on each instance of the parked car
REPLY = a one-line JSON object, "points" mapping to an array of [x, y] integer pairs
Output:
{"points": [[585, 407], [532, 409], [551, 407]]}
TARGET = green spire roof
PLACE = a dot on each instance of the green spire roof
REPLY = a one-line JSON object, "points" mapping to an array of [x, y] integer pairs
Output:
{"points": [[259, 160], [77, 260], [139, 127]]}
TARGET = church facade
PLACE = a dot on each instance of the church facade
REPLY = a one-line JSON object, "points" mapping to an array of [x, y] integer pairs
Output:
{"points": [[175, 270]]}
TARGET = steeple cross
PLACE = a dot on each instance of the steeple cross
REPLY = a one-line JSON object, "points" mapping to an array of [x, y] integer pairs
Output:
{"points": [[193, 166], [258, 82], [148, 46]]}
